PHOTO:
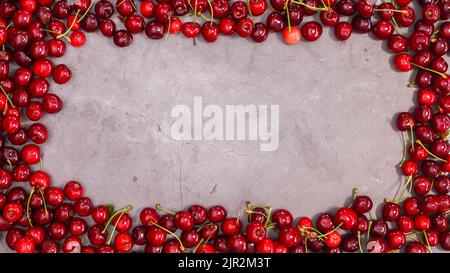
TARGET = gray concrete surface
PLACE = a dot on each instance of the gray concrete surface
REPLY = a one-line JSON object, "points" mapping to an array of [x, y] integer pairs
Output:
{"points": [[336, 102]]}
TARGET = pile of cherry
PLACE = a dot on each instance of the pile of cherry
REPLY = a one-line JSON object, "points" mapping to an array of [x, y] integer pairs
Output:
{"points": [[37, 216]]}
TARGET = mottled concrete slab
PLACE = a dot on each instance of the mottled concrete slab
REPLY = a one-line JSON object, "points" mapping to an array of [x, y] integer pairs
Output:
{"points": [[336, 102]]}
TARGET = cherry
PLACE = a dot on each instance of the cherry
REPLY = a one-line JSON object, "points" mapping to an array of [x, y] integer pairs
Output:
{"points": [[311, 31], [405, 18], [199, 213], [153, 249], [256, 232], [78, 226], [210, 31], [56, 231], [12, 212], [175, 25], [445, 240], [122, 38], [64, 212], [237, 243], [379, 228], [155, 30], [383, 29], [231, 226], [391, 211], [71, 244], [77, 38], [138, 235], [410, 168], [289, 236], [83, 206], [244, 27], [315, 244], [421, 185], [147, 9], [430, 169], [405, 224], [290, 36], [429, 204], [282, 218], [40, 180], [343, 31], [217, 214], [122, 222], [350, 243], [361, 24], [439, 222], [431, 13], [346, 7], [54, 196], [415, 247], [257, 7], [396, 239], [209, 231], [155, 236], [261, 32], [56, 48], [362, 204], [325, 222], [346, 218], [149, 216], [73, 190], [423, 58], [362, 225], [275, 22], [37, 233], [163, 12], [332, 239], [190, 238], [61, 74], [34, 111], [329, 18], [30, 153], [172, 246], [123, 242], [184, 220], [442, 184], [25, 244], [125, 7], [107, 27], [105, 9], [100, 214], [168, 221], [96, 235], [106, 249], [376, 245], [5, 179]]}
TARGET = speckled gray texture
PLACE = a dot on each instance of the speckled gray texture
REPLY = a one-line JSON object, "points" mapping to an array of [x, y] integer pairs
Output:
{"points": [[337, 101]]}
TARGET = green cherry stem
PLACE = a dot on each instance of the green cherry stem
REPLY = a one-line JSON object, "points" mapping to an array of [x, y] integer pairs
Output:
{"points": [[124, 210], [443, 75], [433, 155], [171, 233]]}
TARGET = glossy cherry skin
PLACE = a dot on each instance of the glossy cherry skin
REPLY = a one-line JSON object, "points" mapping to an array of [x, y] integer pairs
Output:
{"points": [[311, 31]]}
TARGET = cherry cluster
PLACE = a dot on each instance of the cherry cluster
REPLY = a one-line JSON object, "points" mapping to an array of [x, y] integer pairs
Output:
{"points": [[37, 216]]}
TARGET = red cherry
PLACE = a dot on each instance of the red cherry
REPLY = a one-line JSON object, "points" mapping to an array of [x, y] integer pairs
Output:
{"points": [[31, 154], [73, 190], [291, 36], [25, 244], [345, 217], [403, 62]]}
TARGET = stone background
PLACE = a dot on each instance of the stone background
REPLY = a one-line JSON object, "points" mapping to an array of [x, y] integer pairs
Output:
{"points": [[337, 101]]}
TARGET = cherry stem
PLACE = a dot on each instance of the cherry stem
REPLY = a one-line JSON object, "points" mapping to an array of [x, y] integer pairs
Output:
{"points": [[205, 225], [331, 231], [405, 147], [114, 228], [124, 210], [211, 10], [430, 70], [310, 7], [55, 32], [10, 165], [433, 155], [168, 28], [288, 16], [393, 10], [7, 97], [250, 10], [171, 233], [158, 207], [396, 26], [28, 207], [43, 200], [90, 6], [70, 28], [402, 191], [359, 241], [195, 249], [412, 136], [368, 230], [426, 240]]}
